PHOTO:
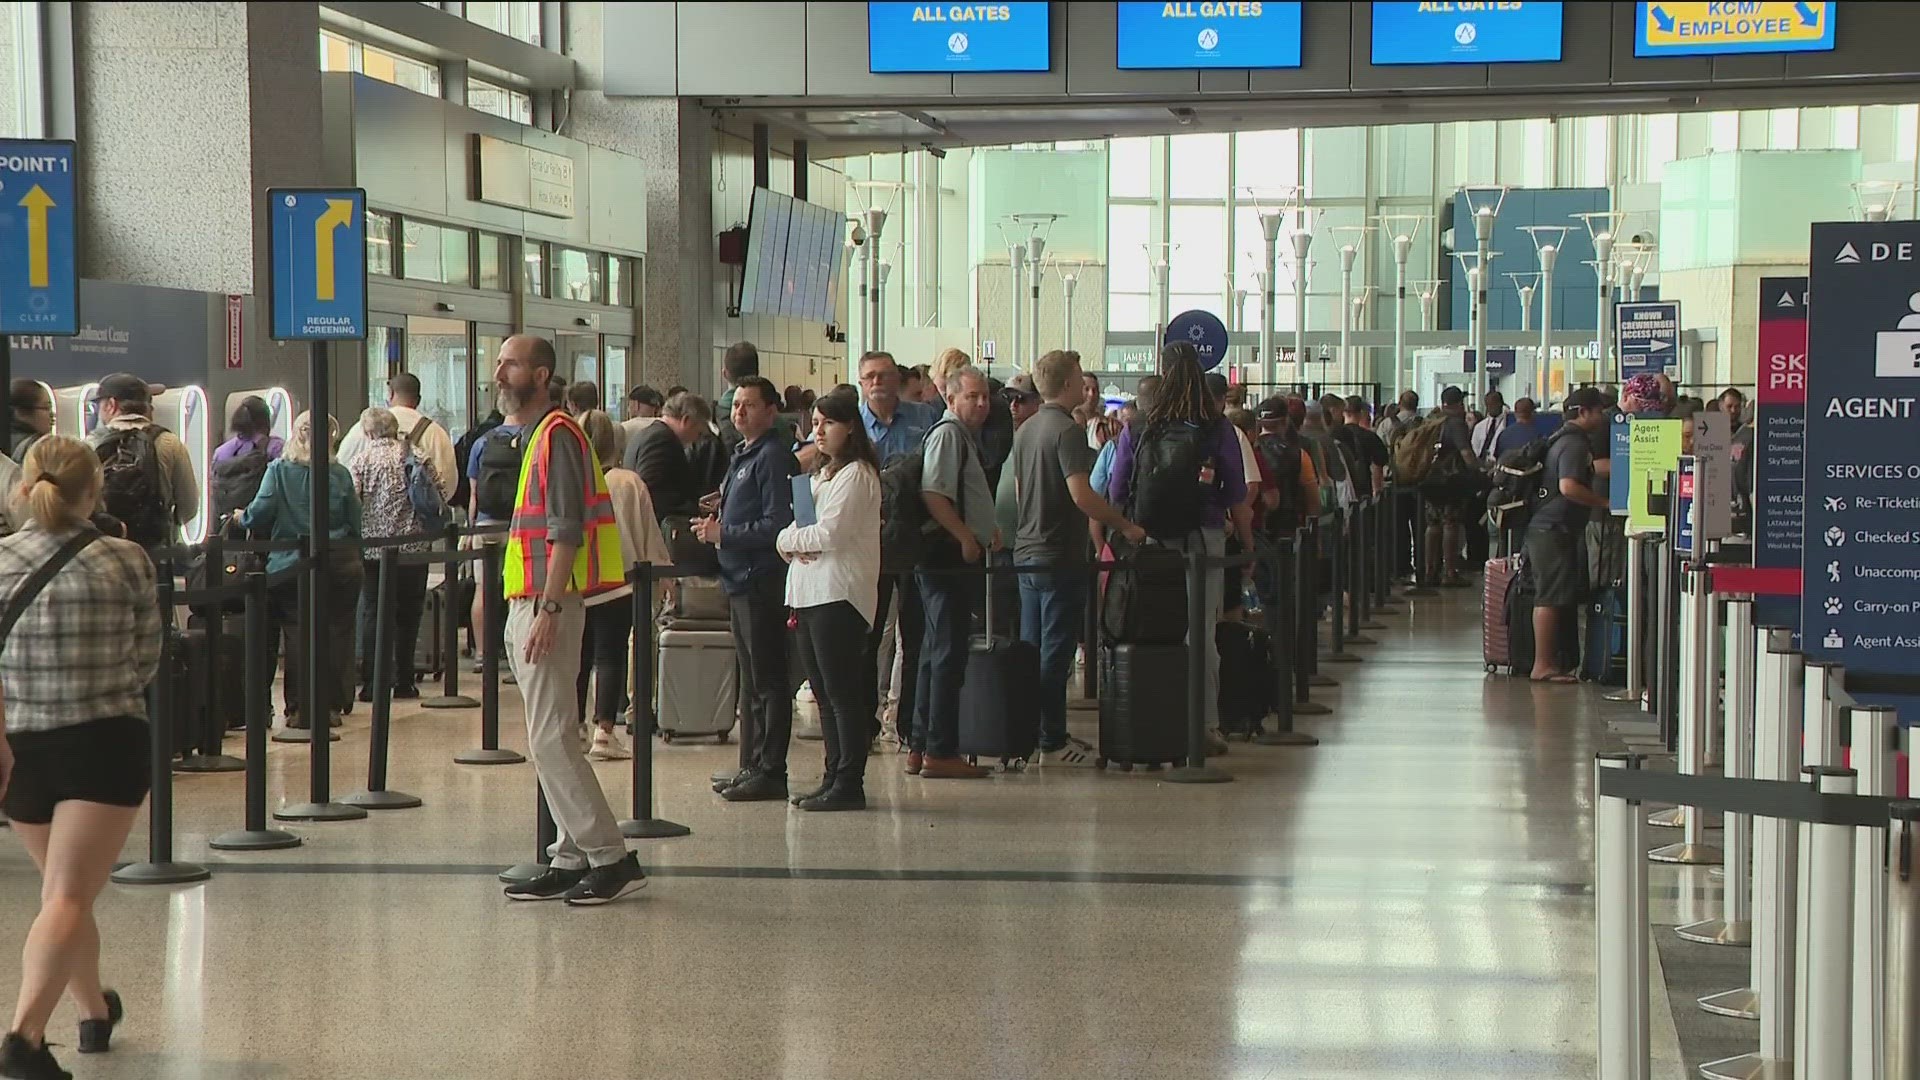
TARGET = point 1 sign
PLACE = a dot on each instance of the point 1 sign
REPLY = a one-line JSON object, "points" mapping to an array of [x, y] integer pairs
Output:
{"points": [[39, 271], [319, 264]]}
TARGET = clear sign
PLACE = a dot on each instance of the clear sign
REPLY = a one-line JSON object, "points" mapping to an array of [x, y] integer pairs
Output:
{"points": [[1780, 442], [1860, 566], [1467, 33], [1685, 491], [39, 214], [319, 263], [957, 38], [1648, 337], [1248, 34], [1204, 331], [1717, 29]]}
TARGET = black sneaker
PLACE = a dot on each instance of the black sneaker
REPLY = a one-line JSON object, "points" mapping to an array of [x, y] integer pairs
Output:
{"points": [[842, 797], [826, 785], [97, 1035], [551, 884], [605, 884], [20, 1060], [740, 777], [759, 787]]}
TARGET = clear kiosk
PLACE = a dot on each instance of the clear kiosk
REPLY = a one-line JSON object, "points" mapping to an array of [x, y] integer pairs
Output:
{"points": [[73, 411], [279, 407], [183, 410]]}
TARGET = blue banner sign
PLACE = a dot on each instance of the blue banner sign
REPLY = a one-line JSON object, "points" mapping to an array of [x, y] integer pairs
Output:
{"points": [[1780, 443], [1860, 567], [1620, 457], [1254, 34], [1648, 337], [957, 38], [1467, 33], [1684, 474], [1670, 28], [1204, 331], [319, 263], [39, 214]]}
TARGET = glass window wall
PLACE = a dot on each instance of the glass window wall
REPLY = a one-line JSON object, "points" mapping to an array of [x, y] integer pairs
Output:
{"points": [[516, 20], [579, 275], [501, 101], [379, 244], [491, 262], [438, 354], [436, 253]]}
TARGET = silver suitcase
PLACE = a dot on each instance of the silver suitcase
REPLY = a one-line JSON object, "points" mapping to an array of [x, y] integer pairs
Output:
{"points": [[699, 693]]}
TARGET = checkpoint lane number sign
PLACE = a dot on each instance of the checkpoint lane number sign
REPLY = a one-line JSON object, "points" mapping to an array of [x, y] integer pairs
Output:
{"points": [[39, 270], [1667, 28], [319, 261]]}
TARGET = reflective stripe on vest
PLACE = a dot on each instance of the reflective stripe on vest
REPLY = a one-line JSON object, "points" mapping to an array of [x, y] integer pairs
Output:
{"points": [[596, 566]]}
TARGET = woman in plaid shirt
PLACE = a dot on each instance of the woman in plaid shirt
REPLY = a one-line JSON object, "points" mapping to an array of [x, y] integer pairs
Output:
{"points": [[73, 763]]}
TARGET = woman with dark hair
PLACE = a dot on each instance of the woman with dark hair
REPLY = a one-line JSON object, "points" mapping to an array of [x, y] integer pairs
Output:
{"points": [[240, 463], [1184, 423], [32, 414], [833, 586]]}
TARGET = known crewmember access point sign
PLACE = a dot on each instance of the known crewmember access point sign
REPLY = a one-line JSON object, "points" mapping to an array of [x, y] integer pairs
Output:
{"points": [[39, 270]]}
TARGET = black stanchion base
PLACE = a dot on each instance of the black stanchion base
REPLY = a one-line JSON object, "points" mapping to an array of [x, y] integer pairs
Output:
{"points": [[652, 829], [1311, 708], [300, 735], [331, 811], [1322, 681], [1335, 658], [161, 873], [519, 872], [442, 701], [382, 800], [1362, 639], [483, 756], [254, 840], [1197, 774], [1286, 738], [206, 763]]}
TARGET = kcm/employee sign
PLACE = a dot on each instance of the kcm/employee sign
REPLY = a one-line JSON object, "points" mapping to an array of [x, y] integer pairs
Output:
{"points": [[319, 263], [1673, 29]]}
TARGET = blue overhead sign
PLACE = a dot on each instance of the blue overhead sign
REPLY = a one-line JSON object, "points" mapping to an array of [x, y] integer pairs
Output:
{"points": [[1209, 35], [319, 263], [957, 38], [1204, 331], [1860, 563], [1668, 28], [1468, 33], [39, 265], [1648, 337]]}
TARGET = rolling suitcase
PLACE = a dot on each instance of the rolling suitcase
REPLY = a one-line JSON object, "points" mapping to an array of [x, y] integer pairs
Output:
{"points": [[1603, 650], [429, 651], [1495, 647], [699, 694], [1145, 602], [1000, 699], [1143, 705], [1520, 632], [1246, 677]]}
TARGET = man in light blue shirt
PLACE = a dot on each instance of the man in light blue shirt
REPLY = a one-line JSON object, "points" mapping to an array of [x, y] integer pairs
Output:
{"points": [[896, 426]]}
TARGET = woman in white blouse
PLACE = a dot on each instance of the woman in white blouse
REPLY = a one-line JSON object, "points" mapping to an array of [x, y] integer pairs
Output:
{"points": [[604, 647], [833, 585]]}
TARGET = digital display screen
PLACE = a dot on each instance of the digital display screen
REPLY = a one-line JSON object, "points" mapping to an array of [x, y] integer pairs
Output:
{"points": [[957, 38], [795, 250], [1467, 33], [1671, 29], [1209, 35]]}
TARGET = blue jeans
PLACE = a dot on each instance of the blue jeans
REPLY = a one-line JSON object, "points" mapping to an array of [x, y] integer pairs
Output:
{"points": [[948, 600], [1053, 605]]}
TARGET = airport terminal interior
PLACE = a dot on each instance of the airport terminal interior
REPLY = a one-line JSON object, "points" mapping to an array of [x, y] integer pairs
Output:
{"points": [[1577, 743]]}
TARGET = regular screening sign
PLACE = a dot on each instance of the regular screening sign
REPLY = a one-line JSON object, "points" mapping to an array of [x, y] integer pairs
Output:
{"points": [[319, 263], [1209, 35], [1665, 28], [948, 38]]}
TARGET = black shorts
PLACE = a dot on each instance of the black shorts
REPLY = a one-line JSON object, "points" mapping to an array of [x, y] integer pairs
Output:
{"points": [[100, 761], [1555, 566]]}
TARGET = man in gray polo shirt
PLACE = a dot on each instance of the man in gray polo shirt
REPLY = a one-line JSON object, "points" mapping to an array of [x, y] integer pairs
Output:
{"points": [[1051, 469]]}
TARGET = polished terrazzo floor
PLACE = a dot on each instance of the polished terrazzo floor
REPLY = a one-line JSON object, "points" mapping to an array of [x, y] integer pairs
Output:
{"points": [[1409, 899]]}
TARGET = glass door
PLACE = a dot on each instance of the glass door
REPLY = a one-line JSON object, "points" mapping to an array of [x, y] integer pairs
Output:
{"points": [[579, 357], [487, 339], [618, 351], [439, 355], [386, 349]]}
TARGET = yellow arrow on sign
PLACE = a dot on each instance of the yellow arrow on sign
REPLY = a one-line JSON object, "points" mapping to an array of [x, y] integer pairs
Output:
{"points": [[338, 216], [37, 202]]}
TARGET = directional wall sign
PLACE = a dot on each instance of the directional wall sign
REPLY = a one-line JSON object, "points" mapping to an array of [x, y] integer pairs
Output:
{"points": [[1666, 28], [957, 37], [39, 268], [319, 264], [1860, 568], [1431, 33], [1648, 334], [1209, 34], [1780, 443], [1204, 331]]}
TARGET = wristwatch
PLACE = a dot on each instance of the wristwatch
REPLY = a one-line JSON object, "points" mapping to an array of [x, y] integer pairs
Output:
{"points": [[549, 607]]}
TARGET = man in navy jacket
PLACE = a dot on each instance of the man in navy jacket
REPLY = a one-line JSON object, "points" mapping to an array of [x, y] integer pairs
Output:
{"points": [[756, 502]]}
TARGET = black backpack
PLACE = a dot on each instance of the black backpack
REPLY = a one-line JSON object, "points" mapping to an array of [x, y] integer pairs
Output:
{"points": [[1281, 456], [903, 515], [1519, 486], [236, 480], [1168, 496], [497, 487], [131, 488]]}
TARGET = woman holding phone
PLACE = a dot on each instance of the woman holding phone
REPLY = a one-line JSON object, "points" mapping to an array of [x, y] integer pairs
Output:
{"points": [[833, 586]]}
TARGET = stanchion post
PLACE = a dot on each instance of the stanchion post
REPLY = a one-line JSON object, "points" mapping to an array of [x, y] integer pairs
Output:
{"points": [[1090, 635], [1636, 584], [492, 643], [1281, 627], [1366, 568], [161, 868], [1874, 734], [376, 796], [1304, 629], [1195, 769], [1826, 990], [1422, 585], [1338, 562], [1692, 701], [1735, 924], [450, 695], [545, 834], [1620, 877], [1902, 987], [1383, 600], [1821, 712], [255, 835], [317, 692], [643, 825]]}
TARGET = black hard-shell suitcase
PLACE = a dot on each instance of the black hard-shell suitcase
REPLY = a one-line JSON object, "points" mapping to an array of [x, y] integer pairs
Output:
{"points": [[1000, 699], [1145, 602], [430, 651], [1246, 677], [1143, 705]]}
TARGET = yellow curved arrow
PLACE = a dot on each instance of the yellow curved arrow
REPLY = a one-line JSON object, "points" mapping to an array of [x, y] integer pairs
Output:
{"points": [[339, 215], [37, 202]]}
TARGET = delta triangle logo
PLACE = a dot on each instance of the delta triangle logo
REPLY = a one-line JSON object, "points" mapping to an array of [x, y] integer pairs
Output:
{"points": [[1786, 300], [1847, 254]]}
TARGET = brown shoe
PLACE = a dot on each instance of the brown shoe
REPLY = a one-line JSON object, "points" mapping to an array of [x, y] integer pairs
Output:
{"points": [[914, 761], [951, 768]]}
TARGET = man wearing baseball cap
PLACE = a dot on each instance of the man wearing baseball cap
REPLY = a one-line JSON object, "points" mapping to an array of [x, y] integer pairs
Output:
{"points": [[148, 480], [1554, 558]]}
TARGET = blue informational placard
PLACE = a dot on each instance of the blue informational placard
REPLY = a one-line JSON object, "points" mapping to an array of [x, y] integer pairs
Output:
{"points": [[319, 263], [957, 38], [1860, 566], [1511, 33], [1648, 337], [1620, 463], [1204, 331], [39, 213], [1670, 28], [1780, 443], [1684, 473], [1209, 35]]}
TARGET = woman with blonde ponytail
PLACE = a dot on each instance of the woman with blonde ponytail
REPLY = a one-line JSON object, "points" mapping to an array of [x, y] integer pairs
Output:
{"points": [[79, 642]]}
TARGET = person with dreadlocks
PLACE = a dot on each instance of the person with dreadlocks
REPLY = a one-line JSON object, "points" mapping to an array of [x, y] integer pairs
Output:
{"points": [[1178, 472]]}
